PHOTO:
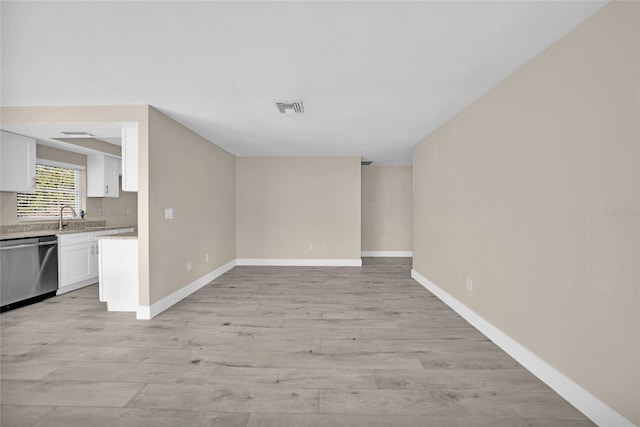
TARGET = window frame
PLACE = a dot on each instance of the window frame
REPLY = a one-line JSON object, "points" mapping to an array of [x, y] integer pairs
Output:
{"points": [[54, 163]]}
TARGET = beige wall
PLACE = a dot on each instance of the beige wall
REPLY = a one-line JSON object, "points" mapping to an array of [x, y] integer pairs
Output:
{"points": [[284, 204], [514, 193], [197, 179], [8, 204], [386, 208], [57, 155], [94, 144], [115, 208]]}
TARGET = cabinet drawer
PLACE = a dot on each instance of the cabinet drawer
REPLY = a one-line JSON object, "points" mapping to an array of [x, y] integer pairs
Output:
{"points": [[90, 236], [73, 239]]}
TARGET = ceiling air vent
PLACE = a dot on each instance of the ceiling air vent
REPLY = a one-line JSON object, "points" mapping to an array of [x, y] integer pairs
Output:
{"points": [[77, 134], [365, 162], [290, 107]]}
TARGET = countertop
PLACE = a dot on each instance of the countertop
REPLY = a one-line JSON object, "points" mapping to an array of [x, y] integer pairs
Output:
{"points": [[40, 233], [132, 235]]}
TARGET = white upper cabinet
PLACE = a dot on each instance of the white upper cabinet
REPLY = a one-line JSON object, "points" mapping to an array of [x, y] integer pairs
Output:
{"points": [[130, 159], [102, 176], [17, 163]]}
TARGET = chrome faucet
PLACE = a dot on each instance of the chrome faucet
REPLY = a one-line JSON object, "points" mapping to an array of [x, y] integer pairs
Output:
{"points": [[61, 209]]}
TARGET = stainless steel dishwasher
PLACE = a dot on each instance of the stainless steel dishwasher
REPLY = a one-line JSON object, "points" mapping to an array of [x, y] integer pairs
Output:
{"points": [[28, 271]]}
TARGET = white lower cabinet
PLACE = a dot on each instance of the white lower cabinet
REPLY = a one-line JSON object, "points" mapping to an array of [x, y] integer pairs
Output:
{"points": [[76, 263], [78, 259], [118, 285]]}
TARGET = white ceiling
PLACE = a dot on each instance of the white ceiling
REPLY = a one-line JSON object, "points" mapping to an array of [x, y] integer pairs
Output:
{"points": [[375, 77]]}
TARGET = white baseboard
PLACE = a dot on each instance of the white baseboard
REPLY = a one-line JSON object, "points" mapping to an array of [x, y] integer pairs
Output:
{"points": [[399, 254], [315, 262], [595, 409], [149, 312]]}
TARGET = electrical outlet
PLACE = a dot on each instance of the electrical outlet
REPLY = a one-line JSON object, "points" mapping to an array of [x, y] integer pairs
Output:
{"points": [[325, 247], [100, 212], [168, 213], [469, 284], [128, 211], [189, 266], [206, 258], [310, 246]]}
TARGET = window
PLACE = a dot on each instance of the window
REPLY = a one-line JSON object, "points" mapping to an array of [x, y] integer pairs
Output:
{"points": [[56, 185]]}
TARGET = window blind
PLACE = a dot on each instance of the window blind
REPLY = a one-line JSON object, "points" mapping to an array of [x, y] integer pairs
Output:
{"points": [[55, 187]]}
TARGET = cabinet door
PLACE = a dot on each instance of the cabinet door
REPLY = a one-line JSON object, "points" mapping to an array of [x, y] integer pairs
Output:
{"points": [[102, 176], [77, 263], [93, 264], [17, 163], [95, 175], [130, 159], [111, 177]]}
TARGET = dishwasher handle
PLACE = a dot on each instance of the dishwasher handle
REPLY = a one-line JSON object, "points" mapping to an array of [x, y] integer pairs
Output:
{"points": [[29, 245]]}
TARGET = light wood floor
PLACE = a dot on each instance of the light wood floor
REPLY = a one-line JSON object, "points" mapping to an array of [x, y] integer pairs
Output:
{"points": [[269, 346]]}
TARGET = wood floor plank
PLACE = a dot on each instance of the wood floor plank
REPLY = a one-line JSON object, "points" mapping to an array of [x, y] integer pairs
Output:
{"points": [[28, 370], [333, 420], [227, 398], [340, 323], [297, 333], [68, 393], [204, 356], [22, 415], [340, 361], [131, 372], [138, 417], [459, 379], [407, 346], [343, 379], [389, 402], [468, 360]]}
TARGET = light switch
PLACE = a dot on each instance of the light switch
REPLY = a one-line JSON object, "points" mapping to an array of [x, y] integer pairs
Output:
{"points": [[168, 213]]}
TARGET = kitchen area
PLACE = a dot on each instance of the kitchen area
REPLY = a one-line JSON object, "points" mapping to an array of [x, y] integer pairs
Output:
{"points": [[68, 202]]}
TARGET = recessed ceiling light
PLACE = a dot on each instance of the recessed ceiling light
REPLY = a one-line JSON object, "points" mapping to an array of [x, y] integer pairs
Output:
{"points": [[77, 134], [290, 107]]}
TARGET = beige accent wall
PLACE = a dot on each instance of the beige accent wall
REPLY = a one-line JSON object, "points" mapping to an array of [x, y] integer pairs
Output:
{"points": [[517, 191], [58, 155], [115, 208], [94, 144], [285, 204], [197, 179], [8, 204], [386, 208]]}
